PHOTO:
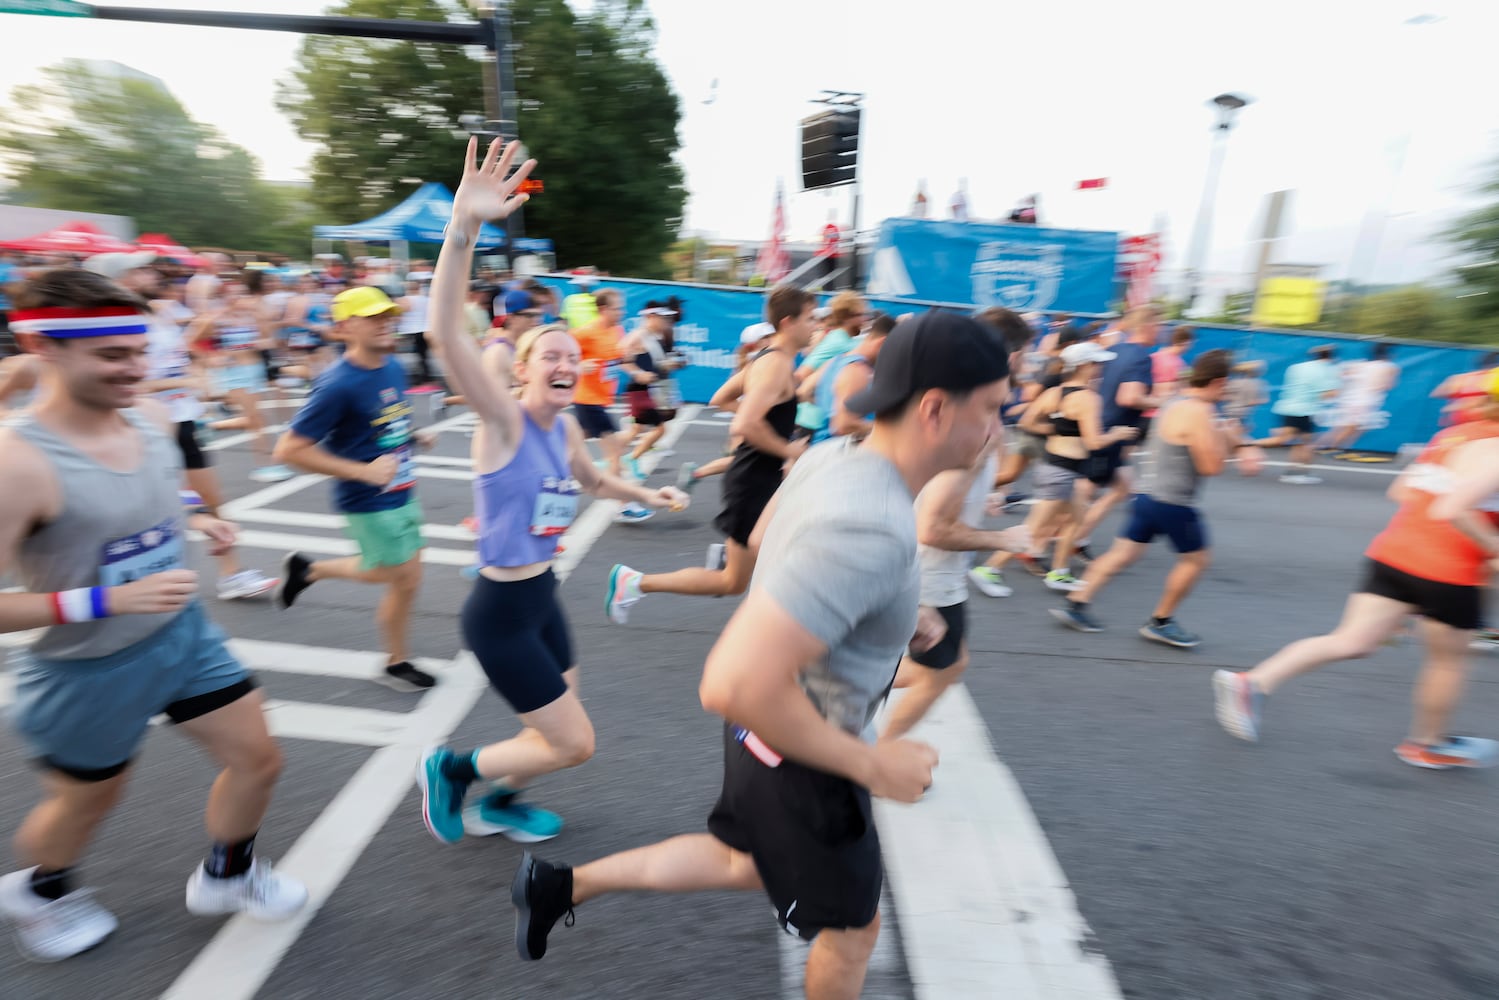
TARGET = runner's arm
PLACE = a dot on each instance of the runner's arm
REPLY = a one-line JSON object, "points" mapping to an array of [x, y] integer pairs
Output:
{"points": [[1476, 469], [761, 386], [30, 490], [939, 517], [1036, 418], [1206, 442], [727, 396], [597, 482]]}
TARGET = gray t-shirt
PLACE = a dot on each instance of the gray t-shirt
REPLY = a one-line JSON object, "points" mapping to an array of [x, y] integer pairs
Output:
{"points": [[839, 556]]}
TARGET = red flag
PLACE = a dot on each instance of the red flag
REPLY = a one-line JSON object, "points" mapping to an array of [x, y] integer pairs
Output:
{"points": [[1140, 258], [774, 263], [1093, 184]]}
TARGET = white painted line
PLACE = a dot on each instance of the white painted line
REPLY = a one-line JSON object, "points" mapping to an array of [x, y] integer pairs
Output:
{"points": [[319, 545], [1004, 922], [335, 522], [268, 495], [237, 962], [428, 472], [318, 661], [219, 444], [462, 463], [300, 720]]}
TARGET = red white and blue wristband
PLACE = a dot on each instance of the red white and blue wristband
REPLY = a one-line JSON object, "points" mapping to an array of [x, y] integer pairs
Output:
{"points": [[69, 322], [85, 604]]}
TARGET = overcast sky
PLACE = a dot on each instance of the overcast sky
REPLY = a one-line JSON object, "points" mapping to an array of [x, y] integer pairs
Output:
{"points": [[1013, 98]]}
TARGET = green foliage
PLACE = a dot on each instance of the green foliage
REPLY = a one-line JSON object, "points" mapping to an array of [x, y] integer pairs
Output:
{"points": [[595, 111], [122, 145], [1475, 236]]}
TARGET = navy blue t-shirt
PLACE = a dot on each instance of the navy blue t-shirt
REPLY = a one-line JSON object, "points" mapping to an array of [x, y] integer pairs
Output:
{"points": [[360, 414], [1131, 364]]}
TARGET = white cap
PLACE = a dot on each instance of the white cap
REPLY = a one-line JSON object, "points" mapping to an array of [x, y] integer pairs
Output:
{"points": [[756, 332], [114, 265], [1085, 353]]}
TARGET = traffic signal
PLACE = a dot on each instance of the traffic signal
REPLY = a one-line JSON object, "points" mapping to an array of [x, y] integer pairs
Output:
{"points": [[830, 148]]}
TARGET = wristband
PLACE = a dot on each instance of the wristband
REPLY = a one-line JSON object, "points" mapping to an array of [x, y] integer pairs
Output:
{"points": [[84, 604]]}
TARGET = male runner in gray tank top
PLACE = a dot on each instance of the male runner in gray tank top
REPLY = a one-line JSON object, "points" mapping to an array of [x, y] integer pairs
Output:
{"points": [[92, 523], [1192, 443]]}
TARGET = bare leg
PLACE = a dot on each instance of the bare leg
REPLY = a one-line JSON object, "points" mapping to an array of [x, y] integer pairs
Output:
{"points": [[1070, 519], [1013, 468], [1180, 581], [1119, 491], [695, 862], [924, 685], [695, 580], [393, 616], [249, 407], [1440, 686], [205, 482], [646, 443], [1043, 520], [58, 829], [1122, 554], [839, 961], [1367, 621], [555, 737], [237, 737]]}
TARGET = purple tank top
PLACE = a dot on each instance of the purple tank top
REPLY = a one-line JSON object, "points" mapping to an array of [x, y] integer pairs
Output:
{"points": [[523, 508]]}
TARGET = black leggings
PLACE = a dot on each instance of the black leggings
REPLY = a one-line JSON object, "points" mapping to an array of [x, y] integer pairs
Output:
{"points": [[520, 637]]}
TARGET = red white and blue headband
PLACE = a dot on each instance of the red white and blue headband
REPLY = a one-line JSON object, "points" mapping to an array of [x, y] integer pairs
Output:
{"points": [[65, 321]]}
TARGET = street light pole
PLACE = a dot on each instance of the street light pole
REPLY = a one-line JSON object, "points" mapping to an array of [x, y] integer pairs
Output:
{"points": [[1228, 106]]}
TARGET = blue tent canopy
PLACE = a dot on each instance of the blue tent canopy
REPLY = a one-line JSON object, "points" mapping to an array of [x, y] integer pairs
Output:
{"points": [[418, 219]]}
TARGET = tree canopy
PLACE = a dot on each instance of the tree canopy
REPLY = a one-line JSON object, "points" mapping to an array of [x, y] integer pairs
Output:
{"points": [[595, 110], [120, 144]]}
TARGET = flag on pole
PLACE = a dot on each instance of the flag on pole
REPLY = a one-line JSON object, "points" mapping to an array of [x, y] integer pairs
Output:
{"points": [[774, 262], [1093, 184]]}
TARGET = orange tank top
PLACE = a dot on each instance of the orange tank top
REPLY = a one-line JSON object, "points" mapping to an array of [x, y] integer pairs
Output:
{"points": [[1413, 542]]}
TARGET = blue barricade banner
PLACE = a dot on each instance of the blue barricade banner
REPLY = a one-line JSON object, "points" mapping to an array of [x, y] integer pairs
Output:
{"points": [[714, 317], [1023, 268]]}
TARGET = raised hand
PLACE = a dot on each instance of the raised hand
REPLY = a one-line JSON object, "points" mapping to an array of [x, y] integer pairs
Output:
{"points": [[486, 193]]}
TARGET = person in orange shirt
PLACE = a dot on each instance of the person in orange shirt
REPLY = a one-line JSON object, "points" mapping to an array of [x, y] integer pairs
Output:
{"points": [[1433, 559], [599, 343]]}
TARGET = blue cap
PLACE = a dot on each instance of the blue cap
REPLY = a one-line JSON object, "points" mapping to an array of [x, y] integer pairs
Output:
{"points": [[516, 300]]}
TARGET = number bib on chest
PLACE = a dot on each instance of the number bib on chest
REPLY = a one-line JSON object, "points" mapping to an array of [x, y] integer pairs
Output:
{"points": [[556, 507], [155, 550]]}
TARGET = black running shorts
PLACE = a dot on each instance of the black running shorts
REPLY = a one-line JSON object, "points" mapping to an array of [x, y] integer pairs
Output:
{"points": [[520, 637], [187, 443], [811, 835], [596, 421], [1449, 603], [947, 650]]}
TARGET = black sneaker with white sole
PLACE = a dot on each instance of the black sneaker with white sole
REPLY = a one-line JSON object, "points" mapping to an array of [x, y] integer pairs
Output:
{"points": [[405, 678], [295, 573], [542, 894]]}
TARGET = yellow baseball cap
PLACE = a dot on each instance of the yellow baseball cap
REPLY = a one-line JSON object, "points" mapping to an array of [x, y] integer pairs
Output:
{"points": [[1494, 383], [362, 300]]}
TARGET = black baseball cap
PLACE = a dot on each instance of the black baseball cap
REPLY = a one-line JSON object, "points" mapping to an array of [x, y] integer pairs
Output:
{"points": [[936, 350]]}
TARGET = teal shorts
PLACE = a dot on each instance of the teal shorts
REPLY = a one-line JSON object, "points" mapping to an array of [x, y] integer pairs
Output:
{"points": [[85, 718], [387, 537]]}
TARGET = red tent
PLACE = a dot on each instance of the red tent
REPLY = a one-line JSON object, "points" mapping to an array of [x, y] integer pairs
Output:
{"points": [[164, 246], [74, 237]]}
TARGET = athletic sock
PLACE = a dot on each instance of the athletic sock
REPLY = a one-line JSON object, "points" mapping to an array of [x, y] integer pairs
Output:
{"points": [[53, 883], [462, 768], [230, 860], [1158, 621]]}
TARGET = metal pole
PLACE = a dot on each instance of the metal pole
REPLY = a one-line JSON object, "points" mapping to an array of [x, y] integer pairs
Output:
{"points": [[454, 33], [1196, 257], [853, 250]]}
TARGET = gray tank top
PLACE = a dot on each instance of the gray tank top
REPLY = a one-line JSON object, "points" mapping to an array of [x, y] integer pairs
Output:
{"points": [[114, 527], [1171, 476]]}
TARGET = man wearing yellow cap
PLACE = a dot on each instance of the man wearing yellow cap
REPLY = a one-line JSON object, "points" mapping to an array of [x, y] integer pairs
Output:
{"points": [[356, 427]]}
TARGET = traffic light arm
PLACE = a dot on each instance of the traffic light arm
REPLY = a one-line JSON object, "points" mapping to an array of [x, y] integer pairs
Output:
{"points": [[471, 33]]}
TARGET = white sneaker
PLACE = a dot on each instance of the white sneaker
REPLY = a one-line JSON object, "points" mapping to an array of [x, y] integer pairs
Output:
{"points": [[989, 581], [260, 893], [245, 583], [51, 930], [623, 594], [272, 474]]}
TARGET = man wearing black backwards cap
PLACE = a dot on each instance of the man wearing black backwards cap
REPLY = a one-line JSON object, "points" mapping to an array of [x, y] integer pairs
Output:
{"points": [[805, 662]]}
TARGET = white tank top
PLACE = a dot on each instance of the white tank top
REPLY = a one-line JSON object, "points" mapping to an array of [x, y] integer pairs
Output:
{"points": [[414, 319], [944, 574]]}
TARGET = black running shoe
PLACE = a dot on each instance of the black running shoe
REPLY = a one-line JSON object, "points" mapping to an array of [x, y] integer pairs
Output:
{"points": [[406, 678], [542, 894], [294, 573]]}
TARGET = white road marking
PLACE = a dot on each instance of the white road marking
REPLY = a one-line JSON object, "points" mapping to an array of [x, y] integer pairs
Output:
{"points": [[219, 444], [323, 545], [1003, 922], [335, 522]]}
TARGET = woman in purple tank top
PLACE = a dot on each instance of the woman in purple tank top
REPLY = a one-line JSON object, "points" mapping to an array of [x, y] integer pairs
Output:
{"points": [[530, 465]]}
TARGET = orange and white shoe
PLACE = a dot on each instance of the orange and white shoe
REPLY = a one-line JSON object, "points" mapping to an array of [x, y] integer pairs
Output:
{"points": [[1451, 752]]}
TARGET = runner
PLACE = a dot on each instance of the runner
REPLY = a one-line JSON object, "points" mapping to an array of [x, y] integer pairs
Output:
{"points": [[92, 524], [530, 462], [1166, 366], [830, 386], [413, 327], [1433, 559], [1191, 444], [726, 399], [765, 422], [1360, 405], [647, 361], [1309, 388], [600, 340], [1466, 392], [847, 314], [356, 427], [802, 666]]}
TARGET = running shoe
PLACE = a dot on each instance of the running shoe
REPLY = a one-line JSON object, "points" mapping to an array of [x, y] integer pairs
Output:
{"points": [[1031, 564], [405, 678], [718, 556], [50, 930], [542, 894], [1295, 479], [260, 893], [1170, 633], [295, 578], [245, 583], [272, 474], [501, 812], [1238, 704], [989, 581], [1075, 616], [624, 592], [632, 466], [1451, 752], [1083, 554], [1063, 580], [1485, 639], [442, 798], [686, 481], [633, 513]]}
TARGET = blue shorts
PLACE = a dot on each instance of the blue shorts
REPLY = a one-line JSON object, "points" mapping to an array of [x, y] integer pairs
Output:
{"points": [[85, 718], [1149, 518], [248, 377]]}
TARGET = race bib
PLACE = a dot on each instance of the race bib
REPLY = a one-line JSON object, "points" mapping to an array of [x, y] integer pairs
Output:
{"points": [[155, 550], [405, 470], [556, 507]]}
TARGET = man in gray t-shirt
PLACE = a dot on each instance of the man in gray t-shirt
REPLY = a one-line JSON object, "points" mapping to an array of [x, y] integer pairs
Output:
{"points": [[800, 669]]}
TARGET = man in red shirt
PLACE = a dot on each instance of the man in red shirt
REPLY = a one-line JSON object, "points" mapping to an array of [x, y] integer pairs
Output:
{"points": [[599, 344]]}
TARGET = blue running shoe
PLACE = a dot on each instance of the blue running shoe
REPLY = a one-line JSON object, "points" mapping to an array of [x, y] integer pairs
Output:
{"points": [[442, 798], [633, 513], [1238, 704], [633, 468], [501, 812], [1169, 633], [1449, 752], [1075, 616]]}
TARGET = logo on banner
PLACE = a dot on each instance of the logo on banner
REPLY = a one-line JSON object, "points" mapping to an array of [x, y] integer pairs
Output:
{"points": [[1017, 276]]}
